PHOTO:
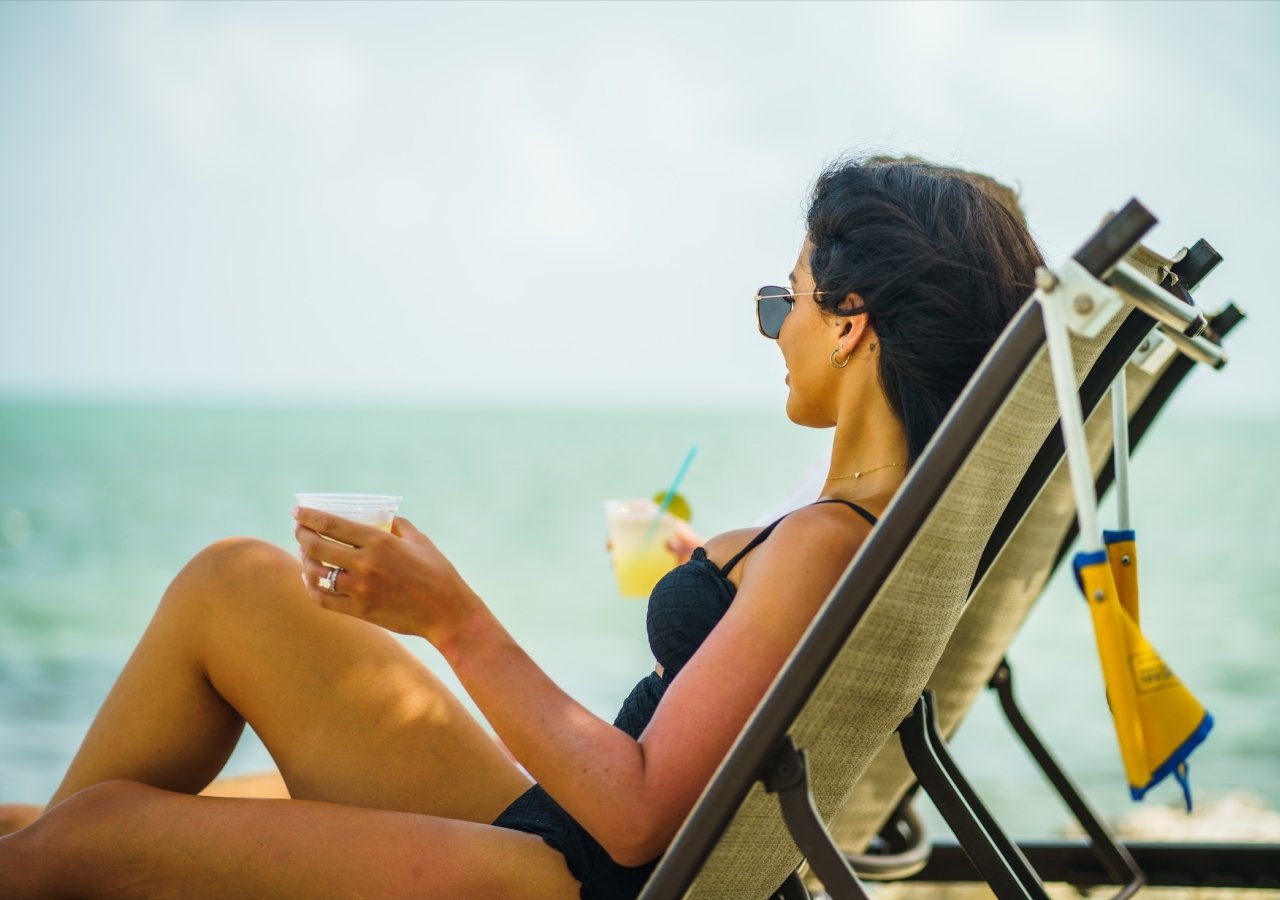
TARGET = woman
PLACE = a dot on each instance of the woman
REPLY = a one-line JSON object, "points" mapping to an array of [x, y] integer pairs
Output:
{"points": [[907, 275]]}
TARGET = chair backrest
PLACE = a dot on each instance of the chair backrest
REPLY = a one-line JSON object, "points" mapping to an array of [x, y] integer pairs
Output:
{"points": [[990, 620], [1009, 586], [871, 648]]}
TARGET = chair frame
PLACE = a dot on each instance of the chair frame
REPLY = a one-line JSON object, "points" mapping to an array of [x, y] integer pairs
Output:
{"points": [[1102, 859], [1111, 861]]}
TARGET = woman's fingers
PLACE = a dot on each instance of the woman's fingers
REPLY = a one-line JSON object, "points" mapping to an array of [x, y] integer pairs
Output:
{"points": [[402, 527], [398, 580], [316, 547], [353, 593], [314, 571], [343, 598], [335, 527]]}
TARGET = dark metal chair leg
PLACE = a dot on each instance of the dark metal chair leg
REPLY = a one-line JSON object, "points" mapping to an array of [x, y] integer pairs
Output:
{"points": [[1008, 849], [788, 777], [1007, 873], [1111, 854], [792, 889]]}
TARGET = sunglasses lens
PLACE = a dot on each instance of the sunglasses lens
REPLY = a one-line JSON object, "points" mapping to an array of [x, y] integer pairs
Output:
{"points": [[772, 306]]}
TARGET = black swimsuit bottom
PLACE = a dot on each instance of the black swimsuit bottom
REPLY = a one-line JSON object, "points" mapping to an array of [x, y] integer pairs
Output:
{"points": [[602, 879], [683, 608]]}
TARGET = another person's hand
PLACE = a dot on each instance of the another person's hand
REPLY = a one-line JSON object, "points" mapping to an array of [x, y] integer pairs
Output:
{"points": [[398, 580], [682, 544], [685, 541]]}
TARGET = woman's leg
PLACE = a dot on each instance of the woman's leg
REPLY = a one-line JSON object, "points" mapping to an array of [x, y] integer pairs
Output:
{"points": [[125, 840], [348, 714], [17, 815], [257, 785], [260, 785]]}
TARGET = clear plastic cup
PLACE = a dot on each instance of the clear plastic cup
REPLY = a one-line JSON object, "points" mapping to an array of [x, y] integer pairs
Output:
{"points": [[637, 546], [367, 509]]}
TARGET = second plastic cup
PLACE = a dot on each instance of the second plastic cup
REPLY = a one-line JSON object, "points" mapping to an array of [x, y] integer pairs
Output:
{"points": [[638, 548]]}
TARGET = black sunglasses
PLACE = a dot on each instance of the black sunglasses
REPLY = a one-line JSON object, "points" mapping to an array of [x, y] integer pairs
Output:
{"points": [[773, 303]]}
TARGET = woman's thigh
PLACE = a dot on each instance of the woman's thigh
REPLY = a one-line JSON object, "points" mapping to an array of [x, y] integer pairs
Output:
{"points": [[349, 715], [122, 839]]}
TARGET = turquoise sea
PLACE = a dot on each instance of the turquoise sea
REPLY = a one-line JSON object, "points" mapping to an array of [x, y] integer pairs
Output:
{"points": [[101, 504]]}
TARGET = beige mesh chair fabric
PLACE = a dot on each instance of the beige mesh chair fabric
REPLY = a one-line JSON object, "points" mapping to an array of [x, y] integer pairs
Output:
{"points": [[996, 610], [987, 627], [895, 646]]}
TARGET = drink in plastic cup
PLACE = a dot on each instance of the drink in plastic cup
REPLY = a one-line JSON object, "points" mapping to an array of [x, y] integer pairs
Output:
{"points": [[377, 510], [638, 548]]}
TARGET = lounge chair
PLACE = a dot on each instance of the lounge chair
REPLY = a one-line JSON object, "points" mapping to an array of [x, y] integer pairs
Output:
{"points": [[1007, 585], [1102, 860], [861, 667]]}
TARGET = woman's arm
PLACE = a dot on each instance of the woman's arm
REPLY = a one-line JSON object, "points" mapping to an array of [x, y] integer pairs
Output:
{"points": [[631, 795]]}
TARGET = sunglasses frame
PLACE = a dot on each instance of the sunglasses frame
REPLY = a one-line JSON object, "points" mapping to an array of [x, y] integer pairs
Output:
{"points": [[783, 294]]}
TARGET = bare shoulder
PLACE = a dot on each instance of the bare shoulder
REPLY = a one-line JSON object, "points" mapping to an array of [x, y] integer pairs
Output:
{"points": [[722, 548], [826, 522], [817, 540]]}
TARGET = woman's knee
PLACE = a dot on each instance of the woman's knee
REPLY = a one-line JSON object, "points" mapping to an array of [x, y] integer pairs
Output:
{"points": [[233, 570], [84, 811], [55, 854], [102, 801]]}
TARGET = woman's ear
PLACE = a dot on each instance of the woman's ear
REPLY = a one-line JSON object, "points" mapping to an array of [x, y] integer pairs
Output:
{"points": [[853, 333]]}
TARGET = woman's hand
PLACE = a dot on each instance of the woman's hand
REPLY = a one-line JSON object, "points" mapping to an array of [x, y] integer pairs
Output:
{"points": [[398, 580]]}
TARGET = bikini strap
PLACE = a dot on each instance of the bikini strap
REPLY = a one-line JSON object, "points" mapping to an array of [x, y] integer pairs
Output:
{"points": [[768, 530], [871, 520], [751, 545]]}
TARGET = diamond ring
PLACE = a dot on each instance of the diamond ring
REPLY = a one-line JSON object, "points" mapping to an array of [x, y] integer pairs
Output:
{"points": [[330, 582]]}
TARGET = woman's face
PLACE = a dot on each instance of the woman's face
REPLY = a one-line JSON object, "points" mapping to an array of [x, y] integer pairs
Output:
{"points": [[807, 338]]}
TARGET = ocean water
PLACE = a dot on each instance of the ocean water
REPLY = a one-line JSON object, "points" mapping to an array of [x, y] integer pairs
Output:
{"points": [[101, 504]]}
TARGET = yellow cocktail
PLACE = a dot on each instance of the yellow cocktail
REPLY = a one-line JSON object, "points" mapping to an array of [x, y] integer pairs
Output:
{"points": [[638, 545]]}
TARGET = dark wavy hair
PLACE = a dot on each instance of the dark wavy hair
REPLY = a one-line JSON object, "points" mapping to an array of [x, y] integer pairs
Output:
{"points": [[942, 260]]}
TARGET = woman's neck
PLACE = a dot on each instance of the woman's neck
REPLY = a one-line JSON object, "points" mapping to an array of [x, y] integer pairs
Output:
{"points": [[868, 453]]}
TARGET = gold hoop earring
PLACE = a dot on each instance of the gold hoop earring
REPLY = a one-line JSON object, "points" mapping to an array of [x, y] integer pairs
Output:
{"points": [[838, 365]]}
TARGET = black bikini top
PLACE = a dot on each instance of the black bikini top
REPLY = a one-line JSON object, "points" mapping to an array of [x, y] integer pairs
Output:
{"points": [[691, 599]]}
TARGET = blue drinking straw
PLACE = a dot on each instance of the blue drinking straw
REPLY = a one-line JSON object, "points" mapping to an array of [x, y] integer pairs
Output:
{"points": [[671, 491]]}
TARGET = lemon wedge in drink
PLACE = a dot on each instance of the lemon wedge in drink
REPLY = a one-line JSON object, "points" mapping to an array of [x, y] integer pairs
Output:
{"points": [[679, 506]]}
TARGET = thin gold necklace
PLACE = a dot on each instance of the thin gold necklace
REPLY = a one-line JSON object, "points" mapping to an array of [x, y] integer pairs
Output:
{"points": [[856, 475]]}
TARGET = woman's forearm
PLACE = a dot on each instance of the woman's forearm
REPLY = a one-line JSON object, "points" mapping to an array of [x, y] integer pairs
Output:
{"points": [[402, 582], [594, 770]]}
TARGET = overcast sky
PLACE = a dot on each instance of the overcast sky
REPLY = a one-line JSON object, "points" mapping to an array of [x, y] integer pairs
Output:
{"points": [[567, 203]]}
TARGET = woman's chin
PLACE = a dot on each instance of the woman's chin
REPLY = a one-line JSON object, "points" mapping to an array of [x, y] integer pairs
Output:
{"points": [[807, 417], [791, 409]]}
